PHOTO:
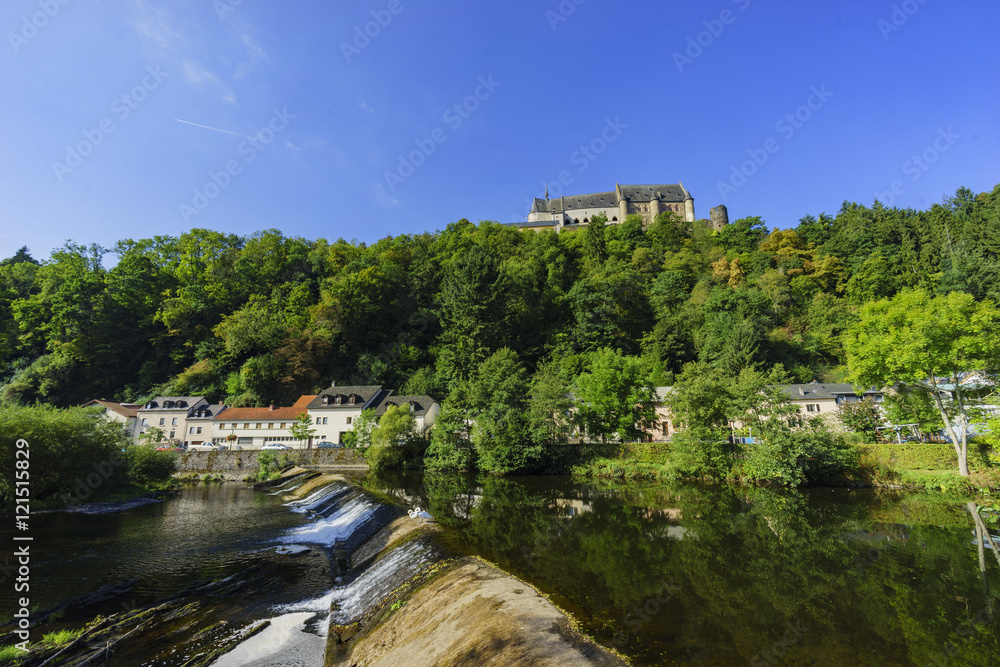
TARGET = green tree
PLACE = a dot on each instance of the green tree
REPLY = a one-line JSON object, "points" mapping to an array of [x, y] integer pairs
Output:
{"points": [[302, 429], [861, 417], [450, 447], [614, 397], [498, 406], [927, 343], [361, 435]]}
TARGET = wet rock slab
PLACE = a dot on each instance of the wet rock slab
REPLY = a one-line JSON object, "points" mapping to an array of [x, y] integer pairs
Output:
{"points": [[475, 614]]}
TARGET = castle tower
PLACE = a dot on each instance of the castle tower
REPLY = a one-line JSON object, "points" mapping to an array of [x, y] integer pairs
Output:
{"points": [[688, 205], [622, 204]]}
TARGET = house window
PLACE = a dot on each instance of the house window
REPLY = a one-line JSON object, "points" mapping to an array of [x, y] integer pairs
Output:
{"points": [[145, 422], [173, 422], [324, 420], [256, 425], [271, 425], [199, 431], [351, 400], [283, 424], [171, 435], [348, 421], [326, 400], [317, 420], [191, 430], [337, 400], [812, 407], [245, 425], [162, 421]]}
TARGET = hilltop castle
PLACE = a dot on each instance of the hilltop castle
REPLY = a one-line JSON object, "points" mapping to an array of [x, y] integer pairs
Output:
{"points": [[646, 201]]}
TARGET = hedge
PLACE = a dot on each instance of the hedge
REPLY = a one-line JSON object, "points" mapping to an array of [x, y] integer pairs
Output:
{"points": [[928, 456]]}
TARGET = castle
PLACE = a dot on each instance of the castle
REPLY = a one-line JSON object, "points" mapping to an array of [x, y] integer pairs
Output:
{"points": [[646, 201]]}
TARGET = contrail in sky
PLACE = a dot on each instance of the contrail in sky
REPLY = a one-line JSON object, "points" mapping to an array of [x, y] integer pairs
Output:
{"points": [[210, 128]]}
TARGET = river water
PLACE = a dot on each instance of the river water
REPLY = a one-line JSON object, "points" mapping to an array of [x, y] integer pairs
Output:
{"points": [[665, 574]]}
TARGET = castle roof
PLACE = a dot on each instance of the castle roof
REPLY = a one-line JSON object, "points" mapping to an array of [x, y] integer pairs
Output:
{"points": [[637, 193]]}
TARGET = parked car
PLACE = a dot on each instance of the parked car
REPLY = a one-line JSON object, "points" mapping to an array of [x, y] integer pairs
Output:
{"points": [[327, 445], [202, 447], [275, 445], [169, 448]]}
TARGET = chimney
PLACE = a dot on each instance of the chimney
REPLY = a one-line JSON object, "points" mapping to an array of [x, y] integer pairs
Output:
{"points": [[271, 409], [333, 384]]}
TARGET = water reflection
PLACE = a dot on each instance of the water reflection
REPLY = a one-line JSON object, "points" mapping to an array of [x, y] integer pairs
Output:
{"points": [[703, 575]]}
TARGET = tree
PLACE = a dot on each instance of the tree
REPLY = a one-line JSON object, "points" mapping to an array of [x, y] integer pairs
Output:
{"points": [[394, 442], [151, 436], [928, 343], [861, 417], [303, 429], [498, 405], [361, 436], [614, 397]]}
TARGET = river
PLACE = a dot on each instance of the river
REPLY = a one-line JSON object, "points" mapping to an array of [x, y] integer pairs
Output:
{"points": [[666, 574]]}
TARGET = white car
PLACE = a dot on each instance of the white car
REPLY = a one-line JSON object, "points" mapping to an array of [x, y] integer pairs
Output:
{"points": [[275, 445], [202, 447]]}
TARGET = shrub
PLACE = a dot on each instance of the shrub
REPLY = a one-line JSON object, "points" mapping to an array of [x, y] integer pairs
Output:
{"points": [[147, 466], [68, 450]]}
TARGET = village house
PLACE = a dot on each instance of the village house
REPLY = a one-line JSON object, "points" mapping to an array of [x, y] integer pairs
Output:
{"points": [[423, 408], [170, 415], [127, 414], [200, 423], [336, 409], [819, 399], [252, 428]]}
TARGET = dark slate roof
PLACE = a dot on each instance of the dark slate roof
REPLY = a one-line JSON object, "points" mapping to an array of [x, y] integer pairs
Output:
{"points": [[638, 193], [596, 200], [670, 193], [363, 394], [421, 404], [178, 402], [818, 390], [208, 412]]}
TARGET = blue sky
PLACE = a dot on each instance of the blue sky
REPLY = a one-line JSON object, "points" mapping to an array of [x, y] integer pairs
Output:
{"points": [[776, 109]]}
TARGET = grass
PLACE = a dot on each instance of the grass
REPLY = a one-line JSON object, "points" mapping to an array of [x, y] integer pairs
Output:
{"points": [[621, 469], [61, 637], [10, 655]]}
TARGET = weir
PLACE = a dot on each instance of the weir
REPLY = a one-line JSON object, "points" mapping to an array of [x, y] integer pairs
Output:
{"points": [[397, 598]]}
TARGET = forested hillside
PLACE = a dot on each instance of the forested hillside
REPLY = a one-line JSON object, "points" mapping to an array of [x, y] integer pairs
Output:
{"points": [[264, 318]]}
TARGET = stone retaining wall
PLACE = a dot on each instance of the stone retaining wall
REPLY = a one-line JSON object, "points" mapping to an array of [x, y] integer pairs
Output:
{"points": [[240, 464]]}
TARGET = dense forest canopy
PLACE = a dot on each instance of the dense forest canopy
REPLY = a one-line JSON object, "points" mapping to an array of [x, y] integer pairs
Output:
{"points": [[265, 318]]}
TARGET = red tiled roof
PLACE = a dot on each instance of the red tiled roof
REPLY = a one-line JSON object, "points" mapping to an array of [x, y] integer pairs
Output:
{"points": [[291, 413]]}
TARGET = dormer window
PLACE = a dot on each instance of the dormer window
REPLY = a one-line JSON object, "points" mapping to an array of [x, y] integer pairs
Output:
{"points": [[326, 400], [337, 400], [351, 400]]}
